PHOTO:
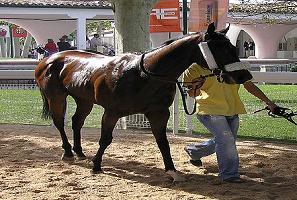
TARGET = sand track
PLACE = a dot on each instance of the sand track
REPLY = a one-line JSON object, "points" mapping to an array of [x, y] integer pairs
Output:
{"points": [[30, 168]]}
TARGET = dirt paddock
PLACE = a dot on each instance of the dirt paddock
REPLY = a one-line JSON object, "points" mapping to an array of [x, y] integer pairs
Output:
{"points": [[30, 168]]}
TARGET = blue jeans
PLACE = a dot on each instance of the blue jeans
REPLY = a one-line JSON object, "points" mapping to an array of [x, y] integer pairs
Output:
{"points": [[224, 129]]}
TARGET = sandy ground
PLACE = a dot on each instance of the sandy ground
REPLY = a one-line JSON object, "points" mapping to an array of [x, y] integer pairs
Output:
{"points": [[30, 168]]}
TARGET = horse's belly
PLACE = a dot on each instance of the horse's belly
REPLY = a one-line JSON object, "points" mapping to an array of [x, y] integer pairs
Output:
{"points": [[82, 93], [139, 103]]}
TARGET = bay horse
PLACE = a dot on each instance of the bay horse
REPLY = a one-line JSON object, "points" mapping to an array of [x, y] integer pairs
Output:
{"points": [[125, 85]]}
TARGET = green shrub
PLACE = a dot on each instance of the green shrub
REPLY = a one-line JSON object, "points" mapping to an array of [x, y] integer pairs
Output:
{"points": [[294, 68]]}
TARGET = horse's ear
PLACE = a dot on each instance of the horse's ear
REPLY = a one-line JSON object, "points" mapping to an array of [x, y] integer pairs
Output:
{"points": [[224, 31], [211, 28]]}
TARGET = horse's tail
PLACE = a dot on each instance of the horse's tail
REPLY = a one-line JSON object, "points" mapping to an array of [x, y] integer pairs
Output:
{"points": [[43, 74], [46, 113]]}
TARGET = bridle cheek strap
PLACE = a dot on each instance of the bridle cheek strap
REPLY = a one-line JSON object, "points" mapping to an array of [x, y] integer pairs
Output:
{"points": [[212, 64], [207, 55]]}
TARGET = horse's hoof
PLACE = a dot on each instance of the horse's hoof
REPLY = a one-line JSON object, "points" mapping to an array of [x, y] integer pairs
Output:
{"points": [[177, 177], [81, 156], [67, 158]]}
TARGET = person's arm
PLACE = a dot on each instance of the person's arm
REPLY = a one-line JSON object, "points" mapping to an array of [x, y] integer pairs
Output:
{"points": [[254, 90]]}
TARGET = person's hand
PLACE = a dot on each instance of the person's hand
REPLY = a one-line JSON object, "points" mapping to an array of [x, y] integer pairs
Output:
{"points": [[195, 86], [198, 82]]}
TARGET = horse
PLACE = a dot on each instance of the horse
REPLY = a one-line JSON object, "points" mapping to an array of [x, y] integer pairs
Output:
{"points": [[128, 84]]}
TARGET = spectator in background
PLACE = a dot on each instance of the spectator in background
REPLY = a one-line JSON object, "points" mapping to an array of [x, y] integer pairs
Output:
{"points": [[251, 47], [63, 44], [50, 47], [95, 42], [246, 49]]}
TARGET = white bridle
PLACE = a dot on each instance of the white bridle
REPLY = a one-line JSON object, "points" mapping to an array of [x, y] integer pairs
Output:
{"points": [[208, 56]]}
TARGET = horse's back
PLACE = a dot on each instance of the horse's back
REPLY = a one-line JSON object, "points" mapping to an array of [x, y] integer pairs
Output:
{"points": [[84, 74], [58, 59]]}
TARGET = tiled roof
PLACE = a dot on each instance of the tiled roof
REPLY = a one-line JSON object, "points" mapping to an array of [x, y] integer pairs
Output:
{"points": [[289, 7], [56, 3]]}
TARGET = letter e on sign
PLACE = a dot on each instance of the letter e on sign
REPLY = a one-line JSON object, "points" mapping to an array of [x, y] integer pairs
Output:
{"points": [[165, 17]]}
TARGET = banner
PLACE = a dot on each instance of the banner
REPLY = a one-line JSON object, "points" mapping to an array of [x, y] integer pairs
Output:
{"points": [[4, 31], [18, 32], [165, 17], [204, 12]]}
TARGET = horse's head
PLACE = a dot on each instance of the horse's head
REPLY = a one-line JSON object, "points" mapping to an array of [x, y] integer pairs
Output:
{"points": [[220, 56]]}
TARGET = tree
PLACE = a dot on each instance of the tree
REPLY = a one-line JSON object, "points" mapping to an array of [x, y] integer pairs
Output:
{"points": [[132, 24], [27, 45]]}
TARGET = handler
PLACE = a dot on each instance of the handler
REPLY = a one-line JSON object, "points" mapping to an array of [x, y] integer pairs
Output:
{"points": [[218, 107]]}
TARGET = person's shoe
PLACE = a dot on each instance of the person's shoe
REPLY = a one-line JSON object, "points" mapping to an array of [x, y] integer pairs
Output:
{"points": [[234, 180], [197, 163]]}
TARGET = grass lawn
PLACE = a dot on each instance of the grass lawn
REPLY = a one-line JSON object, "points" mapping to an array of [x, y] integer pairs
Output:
{"points": [[24, 107], [261, 125]]}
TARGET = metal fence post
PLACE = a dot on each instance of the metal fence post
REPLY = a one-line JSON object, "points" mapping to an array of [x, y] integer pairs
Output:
{"points": [[189, 126], [175, 113]]}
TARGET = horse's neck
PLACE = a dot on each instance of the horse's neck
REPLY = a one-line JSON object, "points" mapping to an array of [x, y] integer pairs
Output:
{"points": [[173, 59]]}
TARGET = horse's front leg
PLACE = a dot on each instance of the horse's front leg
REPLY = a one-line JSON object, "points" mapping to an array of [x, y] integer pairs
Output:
{"points": [[109, 120], [158, 121]]}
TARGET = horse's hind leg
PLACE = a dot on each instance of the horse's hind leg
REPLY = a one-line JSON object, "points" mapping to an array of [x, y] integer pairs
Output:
{"points": [[158, 121], [57, 106], [83, 109], [109, 120]]}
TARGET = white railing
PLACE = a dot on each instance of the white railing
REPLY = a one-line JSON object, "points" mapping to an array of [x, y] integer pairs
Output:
{"points": [[17, 69], [275, 77], [18, 64], [140, 121], [16, 74]]}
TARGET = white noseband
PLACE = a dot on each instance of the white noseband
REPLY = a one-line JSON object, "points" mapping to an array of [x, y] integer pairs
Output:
{"points": [[208, 56]]}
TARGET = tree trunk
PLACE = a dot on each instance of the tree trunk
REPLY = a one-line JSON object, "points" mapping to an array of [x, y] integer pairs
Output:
{"points": [[17, 46], [3, 47], [9, 46], [27, 44], [132, 25]]}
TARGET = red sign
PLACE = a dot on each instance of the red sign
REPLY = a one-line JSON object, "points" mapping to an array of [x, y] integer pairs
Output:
{"points": [[165, 17], [18, 32]]}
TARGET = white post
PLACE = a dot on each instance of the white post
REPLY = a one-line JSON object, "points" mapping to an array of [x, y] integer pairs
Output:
{"points": [[66, 115], [190, 103], [81, 32], [123, 122], [81, 23], [175, 112]]}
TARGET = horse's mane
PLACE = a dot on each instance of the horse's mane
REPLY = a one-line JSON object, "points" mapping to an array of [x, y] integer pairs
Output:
{"points": [[177, 38]]}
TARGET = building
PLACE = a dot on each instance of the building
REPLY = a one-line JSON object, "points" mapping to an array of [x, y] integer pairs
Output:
{"points": [[52, 19]]}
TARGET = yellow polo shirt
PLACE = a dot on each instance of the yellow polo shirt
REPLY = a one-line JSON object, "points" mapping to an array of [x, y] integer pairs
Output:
{"points": [[215, 98]]}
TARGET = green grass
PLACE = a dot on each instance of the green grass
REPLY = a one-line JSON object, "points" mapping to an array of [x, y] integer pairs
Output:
{"points": [[261, 125], [24, 107]]}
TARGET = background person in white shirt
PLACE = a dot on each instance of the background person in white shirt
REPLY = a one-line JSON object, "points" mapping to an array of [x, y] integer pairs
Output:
{"points": [[95, 42]]}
